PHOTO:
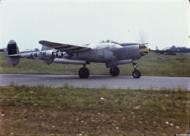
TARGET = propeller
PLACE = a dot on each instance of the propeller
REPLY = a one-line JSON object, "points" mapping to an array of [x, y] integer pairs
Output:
{"points": [[142, 39], [143, 46]]}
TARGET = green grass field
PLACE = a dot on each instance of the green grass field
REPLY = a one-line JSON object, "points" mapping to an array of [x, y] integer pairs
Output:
{"points": [[42, 111], [152, 65]]}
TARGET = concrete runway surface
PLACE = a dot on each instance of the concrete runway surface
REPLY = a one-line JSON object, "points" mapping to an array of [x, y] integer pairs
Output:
{"points": [[99, 81]]}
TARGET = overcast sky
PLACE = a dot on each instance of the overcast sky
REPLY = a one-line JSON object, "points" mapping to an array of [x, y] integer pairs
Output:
{"points": [[161, 22]]}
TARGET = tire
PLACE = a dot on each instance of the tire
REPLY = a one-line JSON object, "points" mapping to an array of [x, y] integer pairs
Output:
{"points": [[136, 73], [114, 71], [84, 73]]}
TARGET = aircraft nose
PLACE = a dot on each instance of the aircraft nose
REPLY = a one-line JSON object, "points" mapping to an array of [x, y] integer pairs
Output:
{"points": [[143, 50]]}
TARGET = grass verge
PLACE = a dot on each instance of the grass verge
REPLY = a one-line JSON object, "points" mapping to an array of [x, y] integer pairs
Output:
{"points": [[48, 111]]}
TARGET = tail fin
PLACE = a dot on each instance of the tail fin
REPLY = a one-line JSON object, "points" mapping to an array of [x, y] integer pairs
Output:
{"points": [[12, 49]]}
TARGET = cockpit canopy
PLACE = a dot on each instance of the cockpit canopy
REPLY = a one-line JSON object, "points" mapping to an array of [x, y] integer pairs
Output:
{"points": [[109, 41]]}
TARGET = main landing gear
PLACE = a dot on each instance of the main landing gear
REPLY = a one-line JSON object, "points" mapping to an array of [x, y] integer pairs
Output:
{"points": [[114, 71], [84, 72]]}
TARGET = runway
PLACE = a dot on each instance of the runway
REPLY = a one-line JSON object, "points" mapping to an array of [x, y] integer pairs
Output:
{"points": [[99, 81]]}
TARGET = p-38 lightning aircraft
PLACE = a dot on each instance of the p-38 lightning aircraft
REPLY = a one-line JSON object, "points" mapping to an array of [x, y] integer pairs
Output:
{"points": [[109, 52]]}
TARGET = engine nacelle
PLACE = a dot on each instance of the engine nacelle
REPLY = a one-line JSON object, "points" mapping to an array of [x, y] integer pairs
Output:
{"points": [[12, 49], [128, 52]]}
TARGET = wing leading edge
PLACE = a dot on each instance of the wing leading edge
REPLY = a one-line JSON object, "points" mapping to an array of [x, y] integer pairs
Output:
{"points": [[65, 47]]}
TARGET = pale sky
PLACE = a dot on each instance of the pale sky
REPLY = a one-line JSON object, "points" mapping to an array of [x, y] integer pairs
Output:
{"points": [[161, 22]]}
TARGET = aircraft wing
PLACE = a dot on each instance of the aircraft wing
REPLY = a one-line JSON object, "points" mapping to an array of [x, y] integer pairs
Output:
{"points": [[65, 47], [128, 44]]}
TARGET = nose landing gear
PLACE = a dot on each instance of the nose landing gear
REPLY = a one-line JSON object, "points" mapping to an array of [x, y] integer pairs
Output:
{"points": [[136, 73]]}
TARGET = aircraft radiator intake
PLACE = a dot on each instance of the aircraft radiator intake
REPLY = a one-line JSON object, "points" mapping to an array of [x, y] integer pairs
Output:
{"points": [[12, 49]]}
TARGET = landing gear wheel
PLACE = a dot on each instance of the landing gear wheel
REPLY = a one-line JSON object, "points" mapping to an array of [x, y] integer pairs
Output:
{"points": [[136, 73], [114, 71], [84, 73]]}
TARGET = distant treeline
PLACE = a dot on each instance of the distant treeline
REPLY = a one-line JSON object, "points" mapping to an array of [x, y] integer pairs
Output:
{"points": [[173, 50], [179, 49]]}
